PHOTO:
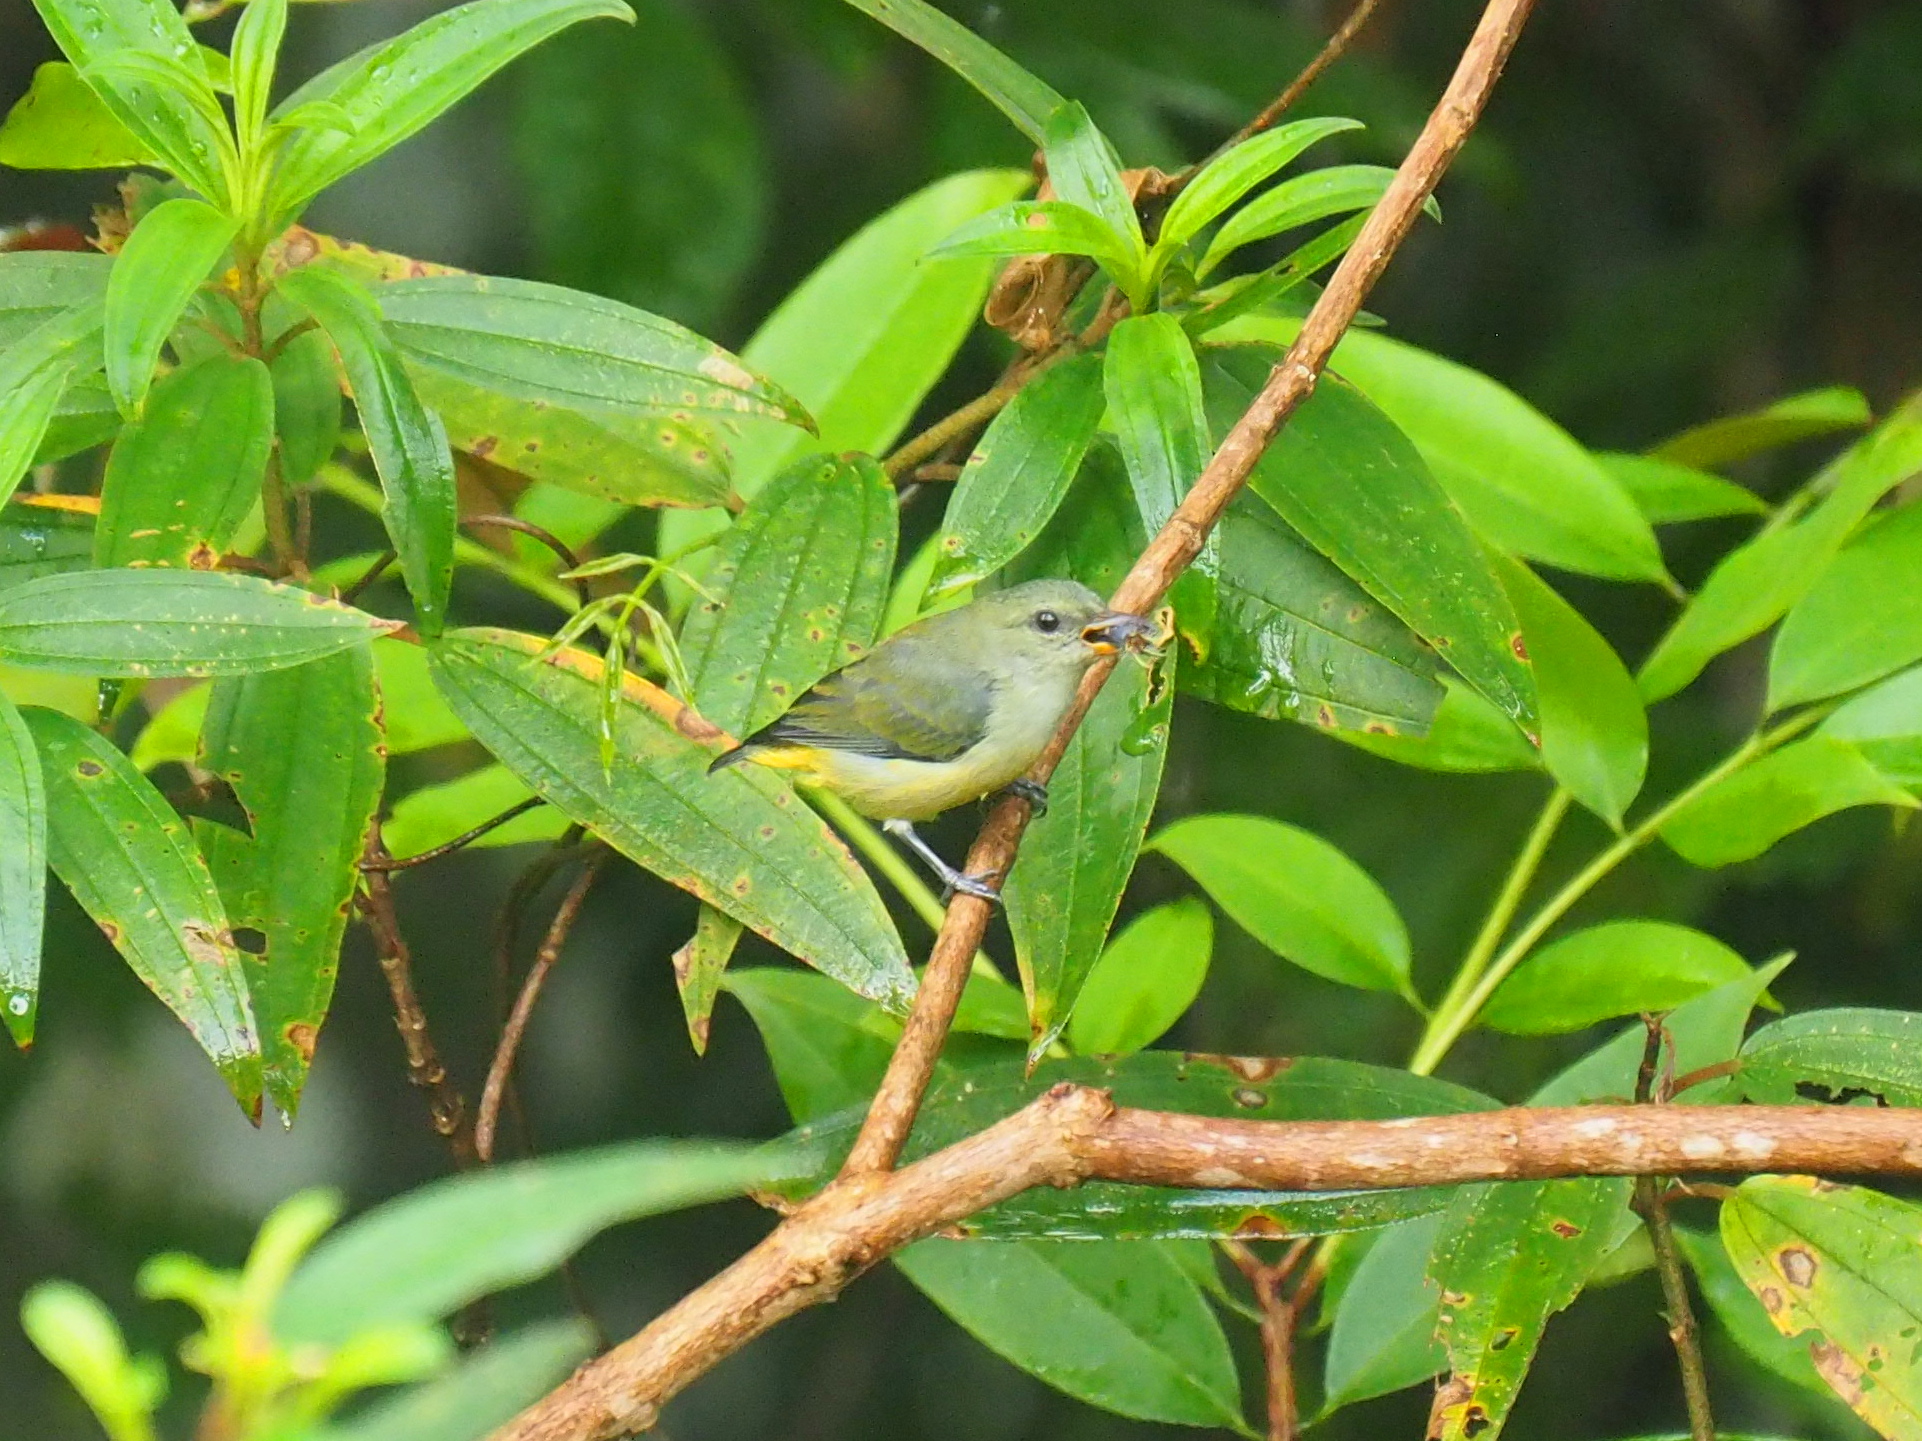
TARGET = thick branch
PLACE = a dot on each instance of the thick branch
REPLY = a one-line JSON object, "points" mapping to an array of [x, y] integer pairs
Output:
{"points": [[1072, 1134], [892, 1115]]}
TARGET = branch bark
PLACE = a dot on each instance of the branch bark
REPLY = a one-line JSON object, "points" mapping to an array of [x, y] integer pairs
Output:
{"points": [[891, 1116], [1073, 1134]]}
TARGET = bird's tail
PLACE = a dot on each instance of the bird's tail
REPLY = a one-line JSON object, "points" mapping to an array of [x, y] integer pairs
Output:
{"points": [[728, 758]]}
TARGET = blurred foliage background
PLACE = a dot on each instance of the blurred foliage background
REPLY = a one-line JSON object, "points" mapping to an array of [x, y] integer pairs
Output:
{"points": [[1671, 212]]}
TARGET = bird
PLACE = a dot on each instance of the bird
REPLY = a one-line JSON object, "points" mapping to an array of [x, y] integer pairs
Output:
{"points": [[956, 706]]}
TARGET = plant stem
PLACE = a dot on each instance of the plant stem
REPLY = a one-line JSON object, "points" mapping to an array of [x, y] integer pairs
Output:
{"points": [[1501, 914], [1682, 1327], [1452, 1020]]}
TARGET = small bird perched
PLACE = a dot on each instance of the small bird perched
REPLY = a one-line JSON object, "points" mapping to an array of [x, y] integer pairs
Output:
{"points": [[947, 710]]}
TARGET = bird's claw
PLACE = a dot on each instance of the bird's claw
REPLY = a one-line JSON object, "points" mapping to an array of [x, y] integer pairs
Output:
{"points": [[1033, 792], [977, 886]]}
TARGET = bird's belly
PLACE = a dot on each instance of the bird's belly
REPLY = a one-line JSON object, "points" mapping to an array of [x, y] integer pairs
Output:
{"points": [[912, 790]]}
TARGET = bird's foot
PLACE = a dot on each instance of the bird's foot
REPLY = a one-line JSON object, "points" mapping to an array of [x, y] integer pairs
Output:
{"points": [[1033, 792], [952, 881]]}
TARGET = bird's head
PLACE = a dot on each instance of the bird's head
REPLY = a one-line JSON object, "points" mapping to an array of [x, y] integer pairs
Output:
{"points": [[1057, 624]]}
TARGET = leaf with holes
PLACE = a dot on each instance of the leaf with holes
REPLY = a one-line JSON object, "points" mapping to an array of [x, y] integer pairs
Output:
{"points": [[799, 585], [130, 863], [144, 623], [739, 840], [1841, 1261], [182, 477], [302, 750], [1848, 1056]]}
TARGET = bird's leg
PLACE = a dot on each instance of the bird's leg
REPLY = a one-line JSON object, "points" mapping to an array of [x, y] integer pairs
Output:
{"points": [[1033, 792], [949, 877]]}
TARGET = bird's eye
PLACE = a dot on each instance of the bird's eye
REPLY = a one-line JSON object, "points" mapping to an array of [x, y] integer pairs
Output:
{"points": [[1047, 622]]}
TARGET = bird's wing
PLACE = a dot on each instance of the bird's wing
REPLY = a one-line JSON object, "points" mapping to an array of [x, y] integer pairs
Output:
{"points": [[897, 703]]}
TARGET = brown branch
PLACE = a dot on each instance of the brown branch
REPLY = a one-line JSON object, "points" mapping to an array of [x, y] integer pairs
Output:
{"points": [[892, 1114], [446, 1107], [1073, 1134], [1280, 1310], [516, 1027]]}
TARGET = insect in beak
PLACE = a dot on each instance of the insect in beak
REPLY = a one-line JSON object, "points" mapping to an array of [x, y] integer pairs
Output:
{"points": [[1118, 631]]}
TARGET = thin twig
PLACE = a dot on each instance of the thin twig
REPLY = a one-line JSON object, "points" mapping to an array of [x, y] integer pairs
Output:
{"points": [[516, 1027], [369, 576], [459, 842], [561, 549], [891, 1116], [1280, 1311], [446, 1107]]}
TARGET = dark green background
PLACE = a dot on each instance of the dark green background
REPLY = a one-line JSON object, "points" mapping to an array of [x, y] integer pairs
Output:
{"points": [[1672, 211]]}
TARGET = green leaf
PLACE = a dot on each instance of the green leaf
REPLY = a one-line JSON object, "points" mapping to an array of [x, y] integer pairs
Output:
{"points": [[1614, 969], [863, 339], [486, 1390], [1703, 1032], [302, 750], [699, 963], [23, 874], [1741, 1315], [739, 840], [408, 445], [1260, 295], [306, 406], [1297, 895], [1668, 493], [545, 344], [37, 285], [1840, 1261], [1861, 620], [1147, 977], [413, 715], [426, 1253], [1594, 730], [1086, 172], [826, 1055], [1885, 723], [1754, 586], [1837, 1057], [182, 478], [1025, 99], [253, 53], [1040, 227], [107, 40], [126, 856], [1067, 882], [1466, 734], [1354, 487], [1522, 481], [1333, 190], [1795, 417], [434, 815], [73, 1330], [164, 261], [390, 90], [1019, 473], [1744, 814], [799, 584], [34, 371], [61, 124], [1228, 177], [1383, 1338], [1118, 1324], [1510, 1256], [142, 623], [1295, 639]]}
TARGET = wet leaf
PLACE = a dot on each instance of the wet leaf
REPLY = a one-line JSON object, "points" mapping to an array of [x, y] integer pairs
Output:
{"points": [[1355, 488], [1085, 171], [1615, 969], [1840, 1261], [35, 541], [1742, 816], [1119, 1324], [130, 863], [143, 623], [1509, 1256], [698, 965], [1025, 99], [34, 371], [422, 1255], [1795, 417], [61, 124], [1860, 621], [1147, 977], [1847, 1056], [799, 585], [1297, 895], [181, 478], [301, 748], [156, 273], [1755, 585], [23, 874], [1669, 493], [739, 840], [405, 439], [390, 90], [1019, 473], [37, 285], [1466, 734]]}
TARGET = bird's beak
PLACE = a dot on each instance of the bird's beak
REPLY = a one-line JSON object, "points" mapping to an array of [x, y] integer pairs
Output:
{"points": [[1117, 630]]}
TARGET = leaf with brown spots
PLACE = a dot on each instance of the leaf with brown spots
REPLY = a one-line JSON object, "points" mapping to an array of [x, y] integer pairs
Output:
{"points": [[131, 864], [698, 965], [1842, 1265], [1510, 1256]]}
